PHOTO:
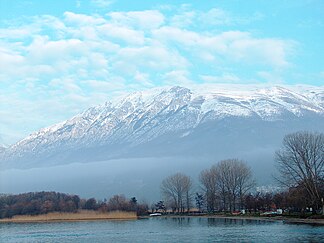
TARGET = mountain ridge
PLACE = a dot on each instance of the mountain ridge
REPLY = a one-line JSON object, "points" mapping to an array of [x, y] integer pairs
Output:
{"points": [[143, 116]]}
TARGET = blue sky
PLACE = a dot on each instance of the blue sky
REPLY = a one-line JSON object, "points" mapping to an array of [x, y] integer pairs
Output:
{"points": [[59, 57]]}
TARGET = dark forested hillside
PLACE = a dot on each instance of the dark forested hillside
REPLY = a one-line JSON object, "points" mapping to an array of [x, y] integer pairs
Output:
{"points": [[34, 203]]}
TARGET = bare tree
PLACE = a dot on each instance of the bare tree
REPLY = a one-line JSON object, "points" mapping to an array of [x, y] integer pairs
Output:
{"points": [[208, 179], [226, 184], [245, 181], [176, 190], [300, 162], [118, 202]]}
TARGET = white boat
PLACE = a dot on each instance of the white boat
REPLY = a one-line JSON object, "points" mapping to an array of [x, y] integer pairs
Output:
{"points": [[155, 214]]}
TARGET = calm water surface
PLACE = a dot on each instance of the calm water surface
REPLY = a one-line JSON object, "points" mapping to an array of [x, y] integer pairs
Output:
{"points": [[162, 230]]}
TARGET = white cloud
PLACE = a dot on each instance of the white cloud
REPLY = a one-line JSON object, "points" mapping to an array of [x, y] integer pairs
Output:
{"points": [[268, 51], [173, 34], [86, 33], [231, 45], [153, 58], [68, 85], [42, 49], [93, 45], [102, 85], [271, 77], [114, 83], [178, 77], [189, 18], [83, 19], [184, 19], [15, 33], [224, 78], [54, 23], [216, 16], [8, 60], [102, 3], [143, 79], [53, 67], [148, 19], [122, 33], [220, 17]]}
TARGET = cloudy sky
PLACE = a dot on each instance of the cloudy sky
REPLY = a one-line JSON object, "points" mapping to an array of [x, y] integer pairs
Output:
{"points": [[58, 58]]}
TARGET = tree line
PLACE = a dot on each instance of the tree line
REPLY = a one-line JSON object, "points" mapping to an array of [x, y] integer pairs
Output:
{"points": [[34, 203], [224, 187], [227, 186]]}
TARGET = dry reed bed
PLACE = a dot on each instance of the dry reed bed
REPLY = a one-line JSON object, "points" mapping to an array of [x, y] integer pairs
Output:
{"points": [[82, 215]]}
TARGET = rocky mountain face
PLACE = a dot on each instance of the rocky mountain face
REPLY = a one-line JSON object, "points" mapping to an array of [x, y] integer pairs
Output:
{"points": [[206, 121]]}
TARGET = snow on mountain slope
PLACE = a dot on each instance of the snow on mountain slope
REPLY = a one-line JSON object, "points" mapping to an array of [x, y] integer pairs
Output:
{"points": [[2, 145], [2, 148], [144, 116]]}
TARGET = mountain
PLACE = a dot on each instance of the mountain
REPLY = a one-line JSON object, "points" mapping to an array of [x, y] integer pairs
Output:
{"points": [[2, 148], [2, 145], [215, 121]]}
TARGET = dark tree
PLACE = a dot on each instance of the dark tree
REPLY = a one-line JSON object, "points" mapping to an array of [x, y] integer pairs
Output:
{"points": [[176, 189], [133, 204], [209, 181], [226, 184], [119, 202], [34, 203], [234, 181], [200, 201], [91, 204], [300, 163], [159, 206]]}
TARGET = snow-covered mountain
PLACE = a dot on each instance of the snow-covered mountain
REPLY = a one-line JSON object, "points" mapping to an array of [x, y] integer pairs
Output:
{"points": [[2, 145], [175, 121], [2, 148]]}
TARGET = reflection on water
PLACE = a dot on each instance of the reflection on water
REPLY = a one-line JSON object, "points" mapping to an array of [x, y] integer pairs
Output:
{"points": [[181, 221], [178, 229], [237, 222]]}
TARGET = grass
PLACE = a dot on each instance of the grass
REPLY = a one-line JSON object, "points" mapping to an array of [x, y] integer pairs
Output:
{"points": [[82, 215]]}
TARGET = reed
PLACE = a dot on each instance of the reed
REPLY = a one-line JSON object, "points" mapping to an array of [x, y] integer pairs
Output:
{"points": [[81, 215]]}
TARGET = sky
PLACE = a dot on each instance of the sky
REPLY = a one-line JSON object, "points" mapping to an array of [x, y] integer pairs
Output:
{"points": [[58, 58]]}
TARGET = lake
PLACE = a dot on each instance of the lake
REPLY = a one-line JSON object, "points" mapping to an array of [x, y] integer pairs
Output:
{"points": [[162, 230]]}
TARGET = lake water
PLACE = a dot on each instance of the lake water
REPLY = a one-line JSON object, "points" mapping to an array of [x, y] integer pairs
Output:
{"points": [[162, 230]]}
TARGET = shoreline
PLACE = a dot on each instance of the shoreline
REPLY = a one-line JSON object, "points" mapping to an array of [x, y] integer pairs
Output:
{"points": [[286, 220], [117, 216]]}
